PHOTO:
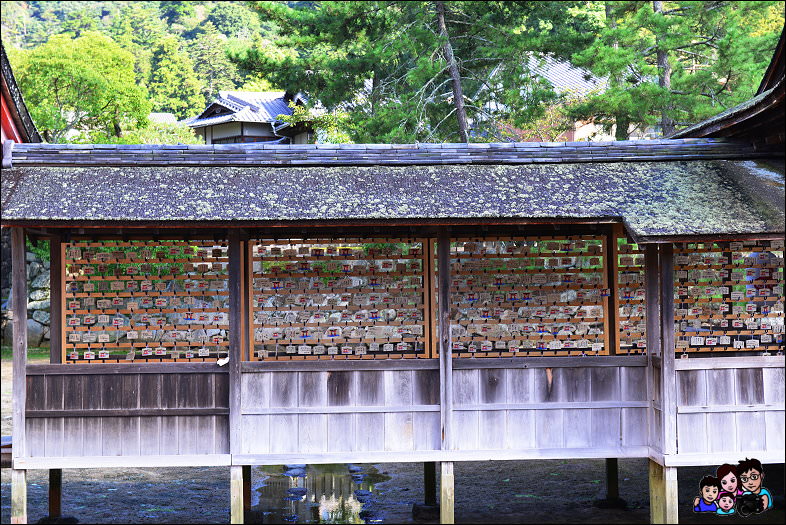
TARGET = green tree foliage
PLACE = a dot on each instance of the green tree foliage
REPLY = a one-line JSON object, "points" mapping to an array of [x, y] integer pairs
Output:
{"points": [[333, 127], [211, 63], [84, 84], [138, 29], [174, 86], [712, 57], [234, 20], [389, 62], [177, 12], [158, 133]]}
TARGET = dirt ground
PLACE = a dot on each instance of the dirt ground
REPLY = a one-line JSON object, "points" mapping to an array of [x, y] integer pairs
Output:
{"points": [[499, 492]]}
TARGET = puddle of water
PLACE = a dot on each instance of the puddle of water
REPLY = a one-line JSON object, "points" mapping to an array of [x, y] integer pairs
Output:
{"points": [[338, 493]]}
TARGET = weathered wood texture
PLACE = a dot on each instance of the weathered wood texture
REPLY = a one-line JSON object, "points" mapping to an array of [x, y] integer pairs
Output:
{"points": [[18, 496], [548, 408], [730, 410], [664, 504], [122, 414], [19, 309], [398, 410], [236, 494], [340, 411]]}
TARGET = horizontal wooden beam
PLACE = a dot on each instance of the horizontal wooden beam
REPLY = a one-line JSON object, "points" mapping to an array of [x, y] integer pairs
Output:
{"points": [[129, 412], [203, 460], [339, 365], [433, 364], [125, 368], [717, 458], [696, 409], [340, 410], [419, 456], [716, 363], [578, 405], [549, 362]]}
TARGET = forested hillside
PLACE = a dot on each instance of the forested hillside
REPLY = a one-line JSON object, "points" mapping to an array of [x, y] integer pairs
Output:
{"points": [[388, 71]]}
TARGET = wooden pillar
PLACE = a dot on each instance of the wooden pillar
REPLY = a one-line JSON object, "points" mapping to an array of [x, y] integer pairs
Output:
{"points": [[18, 496], [236, 494], [19, 392], [430, 483], [447, 493], [236, 340], [56, 301], [663, 493], [445, 377], [668, 373], [55, 492], [246, 487], [612, 479], [659, 284]]}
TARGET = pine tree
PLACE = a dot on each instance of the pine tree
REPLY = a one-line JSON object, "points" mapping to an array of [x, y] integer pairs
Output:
{"points": [[174, 86]]}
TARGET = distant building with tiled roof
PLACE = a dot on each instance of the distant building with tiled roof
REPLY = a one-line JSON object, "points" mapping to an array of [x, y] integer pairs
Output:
{"points": [[249, 116]]}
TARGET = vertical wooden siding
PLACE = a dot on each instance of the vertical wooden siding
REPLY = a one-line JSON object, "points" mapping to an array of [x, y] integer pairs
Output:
{"points": [[124, 433], [340, 411], [730, 410], [550, 408]]}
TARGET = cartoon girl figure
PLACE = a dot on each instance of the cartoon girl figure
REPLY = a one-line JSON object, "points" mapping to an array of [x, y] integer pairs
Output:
{"points": [[727, 475]]}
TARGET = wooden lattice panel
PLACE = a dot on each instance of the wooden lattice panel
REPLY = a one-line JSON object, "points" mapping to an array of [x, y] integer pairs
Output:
{"points": [[145, 301], [629, 298], [339, 299], [729, 296], [529, 296]]}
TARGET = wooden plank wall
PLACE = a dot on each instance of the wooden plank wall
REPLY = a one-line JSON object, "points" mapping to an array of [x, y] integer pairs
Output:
{"points": [[125, 414], [315, 412], [600, 407], [735, 409]]}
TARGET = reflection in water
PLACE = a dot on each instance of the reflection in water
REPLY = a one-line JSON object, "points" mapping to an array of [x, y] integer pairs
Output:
{"points": [[317, 494]]}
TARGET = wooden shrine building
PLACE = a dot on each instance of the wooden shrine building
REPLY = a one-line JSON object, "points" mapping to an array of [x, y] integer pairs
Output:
{"points": [[403, 303]]}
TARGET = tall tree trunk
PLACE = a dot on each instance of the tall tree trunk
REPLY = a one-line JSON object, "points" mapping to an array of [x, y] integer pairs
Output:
{"points": [[621, 120], [664, 77], [458, 94]]}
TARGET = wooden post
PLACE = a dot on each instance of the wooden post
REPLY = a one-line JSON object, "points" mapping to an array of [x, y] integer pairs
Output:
{"points": [[447, 493], [236, 494], [663, 493], [447, 498], [246, 488], [18, 496], [659, 273], [612, 479], [56, 301], [668, 374], [236, 338], [19, 349], [55, 492], [430, 483]]}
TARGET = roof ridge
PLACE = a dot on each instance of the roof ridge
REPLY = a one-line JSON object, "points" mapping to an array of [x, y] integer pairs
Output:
{"points": [[264, 154]]}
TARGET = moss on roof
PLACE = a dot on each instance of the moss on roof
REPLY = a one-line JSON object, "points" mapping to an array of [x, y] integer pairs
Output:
{"points": [[655, 198]]}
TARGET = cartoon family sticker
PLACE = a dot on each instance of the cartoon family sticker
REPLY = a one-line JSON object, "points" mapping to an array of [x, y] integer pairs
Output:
{"points": [[734, 490]]}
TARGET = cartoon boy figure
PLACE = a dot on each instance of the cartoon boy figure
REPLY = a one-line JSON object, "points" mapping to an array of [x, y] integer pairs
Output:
{"points": [[709, 487], [725, 503], [752, 476], [729, 481]]}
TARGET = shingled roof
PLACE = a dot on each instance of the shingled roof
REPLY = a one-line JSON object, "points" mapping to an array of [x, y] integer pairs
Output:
{"points": [[244, 106], [661, 189]]}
